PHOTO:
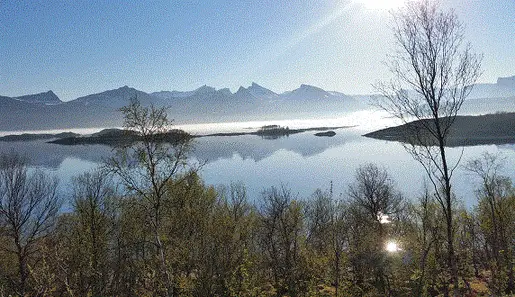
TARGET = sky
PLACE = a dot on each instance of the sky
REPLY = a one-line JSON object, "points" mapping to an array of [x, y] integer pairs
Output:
{"points": [[80, 47]]}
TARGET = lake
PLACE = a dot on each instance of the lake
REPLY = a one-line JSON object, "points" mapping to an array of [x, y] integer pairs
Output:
{"points": [[302, 162], [305, 162]]}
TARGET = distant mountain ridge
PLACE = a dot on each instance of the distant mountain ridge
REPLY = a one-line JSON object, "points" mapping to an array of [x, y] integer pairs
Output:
{"points": [[504, 87], [506, 81], [208, 104], [45, 98], [204, 104]]}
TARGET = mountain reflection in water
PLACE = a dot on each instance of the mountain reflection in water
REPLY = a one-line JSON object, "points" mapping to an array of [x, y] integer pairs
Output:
{"points": [[301, 161]]}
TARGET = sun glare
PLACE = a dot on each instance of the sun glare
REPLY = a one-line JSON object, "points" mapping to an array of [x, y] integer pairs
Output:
{"points": [[392, 247], [380, 4]]}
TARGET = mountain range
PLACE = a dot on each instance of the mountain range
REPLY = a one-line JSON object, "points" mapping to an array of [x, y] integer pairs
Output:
{"points": [[207, 104]]}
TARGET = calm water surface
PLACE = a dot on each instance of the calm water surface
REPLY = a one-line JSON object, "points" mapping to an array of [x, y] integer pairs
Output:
{"points": [[302, 162]]}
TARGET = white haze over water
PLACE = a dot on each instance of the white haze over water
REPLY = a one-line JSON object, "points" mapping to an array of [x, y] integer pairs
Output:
{"points": [[365, 120]]}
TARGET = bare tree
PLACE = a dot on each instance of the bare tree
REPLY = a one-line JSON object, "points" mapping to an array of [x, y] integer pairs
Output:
{"points": [[147, 166], [374, 194], [494, 196], [327, 223], [28, 208], [94, 206], [428, 227], [281, 238], [433, 72], [493, 188]]}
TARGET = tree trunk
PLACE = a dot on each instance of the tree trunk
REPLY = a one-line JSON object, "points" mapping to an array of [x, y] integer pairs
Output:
{"points": [[423, 260], [448, 216], [166, 278], [23, 273], [337, 271], [96, 277], [511, 281]]}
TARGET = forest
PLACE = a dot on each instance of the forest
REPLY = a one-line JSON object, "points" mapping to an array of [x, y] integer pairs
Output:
{"points": [[145, 224]]}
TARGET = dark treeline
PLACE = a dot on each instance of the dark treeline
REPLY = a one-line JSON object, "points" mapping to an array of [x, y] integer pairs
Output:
{"points": [[144, 224]]}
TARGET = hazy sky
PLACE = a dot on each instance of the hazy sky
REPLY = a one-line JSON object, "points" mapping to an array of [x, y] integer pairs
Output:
{"points": [[80, 47]]}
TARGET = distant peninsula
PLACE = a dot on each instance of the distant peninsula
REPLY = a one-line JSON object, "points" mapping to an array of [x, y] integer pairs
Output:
{"points": [[35, 136], [496, 128]]}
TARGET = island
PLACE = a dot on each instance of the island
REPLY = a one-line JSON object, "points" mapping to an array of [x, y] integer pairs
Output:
{"points": [[326, 134], [120, 137], [35, 136]]}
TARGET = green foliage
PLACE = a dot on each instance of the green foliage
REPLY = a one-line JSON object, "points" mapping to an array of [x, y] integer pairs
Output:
{"points": [[217, 243]]}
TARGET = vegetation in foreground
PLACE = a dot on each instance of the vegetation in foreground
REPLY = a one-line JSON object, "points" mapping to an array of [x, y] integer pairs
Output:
{"points": [[145, 225]]}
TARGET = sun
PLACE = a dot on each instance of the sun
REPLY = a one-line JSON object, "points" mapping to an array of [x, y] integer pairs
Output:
{"points": [[392, 247], [380, 4]]}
